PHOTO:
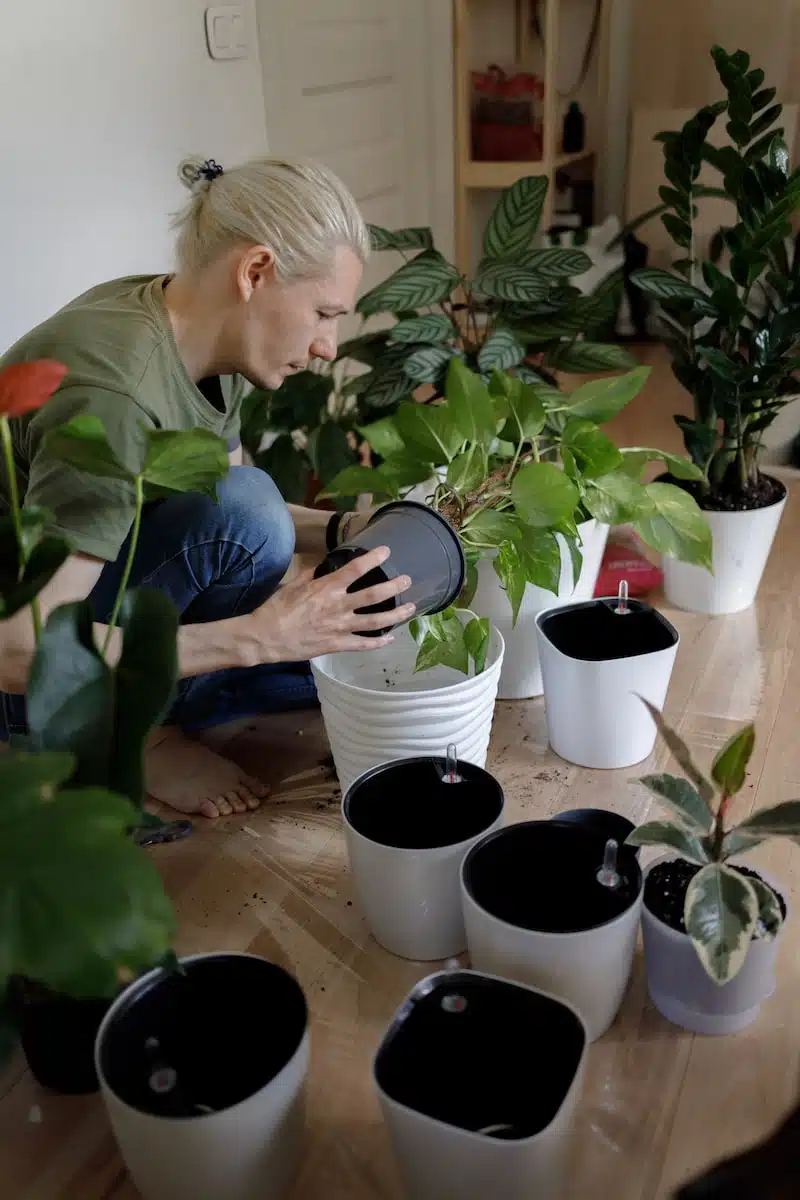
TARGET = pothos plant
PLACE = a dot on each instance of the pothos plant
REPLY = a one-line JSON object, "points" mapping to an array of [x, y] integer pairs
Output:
{"points": [[724, 909], [515, 467], [82, 907], [733, 324]]}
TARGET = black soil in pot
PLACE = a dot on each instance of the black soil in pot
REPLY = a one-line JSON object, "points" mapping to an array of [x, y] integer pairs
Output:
{"points": [[482, 1055], [172, 1051], [765, 491], [667, 883], [542, 876], [409, 805], [594, 632], [57, 1034]]}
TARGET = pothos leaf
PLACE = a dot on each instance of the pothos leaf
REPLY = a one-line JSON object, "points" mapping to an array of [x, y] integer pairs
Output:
{"points": [[477, 635], [510, 570]]}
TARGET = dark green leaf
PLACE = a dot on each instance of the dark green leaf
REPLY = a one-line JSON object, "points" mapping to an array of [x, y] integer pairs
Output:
{"points": [[192, 460], [332, 451], [684, 800], [430, 327], [664, 833], [526, 415], [541, 558], [83, 444], [357, 481], [468, 471], [429, 431], [489, 528], [510, 570], [427, 279], [681, 752], [543, 495], [502, 349], [383, 436], [27, 777], [762, 123], [634, 458], [19, 584], [676, 525], [601, 399], [368, 349], [400, 239], [404, 470], [667, 286], [386, 384], [590, 356], [288, 468], [81, 902], [300, 400], [594, 452], [679, 230], [729, 768], [755, 78], [442, 642], [553, 262], [509, 281], [720, 912], [427, 364], [470, 404], [615, 499], [477, 636], [515, 219]]}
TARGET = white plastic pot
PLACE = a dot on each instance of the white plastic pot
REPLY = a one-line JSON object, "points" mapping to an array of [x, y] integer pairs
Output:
{"points": [[248, 1149], [377, 709], [521, 676], [587, 966], [594, 715], [478, 1079], [741, 542], [682, 991], [407, 831]]}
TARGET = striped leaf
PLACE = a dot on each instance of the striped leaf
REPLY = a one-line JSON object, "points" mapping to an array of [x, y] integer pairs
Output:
{"points": [[511, 227], [587, 357], [426, 364], [507, 281], [386, 387], [502, 349], [720, 913], [427, 279], [431, 327], [400, 239], [555, 262]]}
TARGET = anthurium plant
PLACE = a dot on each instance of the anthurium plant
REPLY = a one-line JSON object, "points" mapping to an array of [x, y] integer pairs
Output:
{"points": [[733, 318], [724, 908], [82, 907], [516, 466]]}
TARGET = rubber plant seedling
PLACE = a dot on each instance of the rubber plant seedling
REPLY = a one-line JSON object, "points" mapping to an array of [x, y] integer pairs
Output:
{"points": [[724, 909]]}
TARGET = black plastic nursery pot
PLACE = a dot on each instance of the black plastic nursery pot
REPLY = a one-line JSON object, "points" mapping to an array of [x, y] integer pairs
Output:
{"points": [[424, 546], [172, 1020], [481, 1054], [57, 1034], [601, 823], [409, 804], [542, 876], [594, 632]]}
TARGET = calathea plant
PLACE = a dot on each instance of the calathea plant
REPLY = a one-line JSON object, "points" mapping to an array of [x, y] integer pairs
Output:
{"points": [[82, 907], [725, 907], [519, 312], [733, 324], [515, 467]]}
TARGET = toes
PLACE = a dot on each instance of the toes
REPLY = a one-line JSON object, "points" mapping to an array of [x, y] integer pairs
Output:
{"points": [[250, 800], [209, 809], [253, 786], [224, 806], [236, 799]]}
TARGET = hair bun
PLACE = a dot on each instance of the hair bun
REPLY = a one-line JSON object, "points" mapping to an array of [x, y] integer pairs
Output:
{"points": [[197, 174]]}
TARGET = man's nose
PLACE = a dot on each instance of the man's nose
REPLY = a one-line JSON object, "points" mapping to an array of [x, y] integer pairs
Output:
{"points": [[325, 347]]}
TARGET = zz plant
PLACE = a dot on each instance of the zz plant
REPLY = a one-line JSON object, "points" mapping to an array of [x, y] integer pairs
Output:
{"points": [[516, 467], [724, 908], [733, 319], [82, 907]]}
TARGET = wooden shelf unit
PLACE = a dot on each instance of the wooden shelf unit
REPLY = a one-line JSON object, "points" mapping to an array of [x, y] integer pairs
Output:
{"points": [[472, 176]]}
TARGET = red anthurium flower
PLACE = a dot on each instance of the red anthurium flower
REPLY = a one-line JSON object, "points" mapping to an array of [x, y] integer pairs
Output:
{"points": [[25, 386]]}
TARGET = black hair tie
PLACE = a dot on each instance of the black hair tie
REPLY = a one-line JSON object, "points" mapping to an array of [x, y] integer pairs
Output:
{"points": [[209, 170]]}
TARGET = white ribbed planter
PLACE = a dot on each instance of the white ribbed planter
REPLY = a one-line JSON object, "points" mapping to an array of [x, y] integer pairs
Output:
{"points": [[521, 676], [479, 1079], [741, 542], [377, 709], [682, 991], [244, 1147]]}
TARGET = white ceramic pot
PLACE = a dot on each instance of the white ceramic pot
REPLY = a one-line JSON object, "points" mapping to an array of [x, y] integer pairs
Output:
{"points": [[521, 676], [248, 1149], [741, 542], [682, 991], [594, 715], [407, 831], [588, 967], [377, 709], [452, 1080]]}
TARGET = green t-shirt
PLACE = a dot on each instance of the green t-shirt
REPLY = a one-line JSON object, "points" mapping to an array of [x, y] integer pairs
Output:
{"points": [[123, 365]]}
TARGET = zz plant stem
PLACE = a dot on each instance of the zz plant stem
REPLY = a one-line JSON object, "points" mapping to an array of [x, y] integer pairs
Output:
{"points": [[13, 496], [126, 574]]}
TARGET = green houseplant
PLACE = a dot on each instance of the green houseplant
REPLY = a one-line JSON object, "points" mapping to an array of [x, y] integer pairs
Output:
{"points": [[732, 322], [520, 313], [84, 909], [516, 467], [710, 923]]}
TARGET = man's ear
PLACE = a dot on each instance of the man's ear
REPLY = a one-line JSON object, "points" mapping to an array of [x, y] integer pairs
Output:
{"points": [[254, 270]]}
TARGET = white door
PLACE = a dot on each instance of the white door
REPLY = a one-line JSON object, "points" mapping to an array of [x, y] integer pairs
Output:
{"points": [[347, 82]]}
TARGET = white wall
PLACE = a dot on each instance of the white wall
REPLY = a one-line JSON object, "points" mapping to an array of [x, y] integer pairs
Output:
{"points": [[100, 99]]}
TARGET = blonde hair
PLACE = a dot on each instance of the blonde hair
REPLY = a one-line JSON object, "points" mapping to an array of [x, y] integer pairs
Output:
{"points": [[299, 210]]}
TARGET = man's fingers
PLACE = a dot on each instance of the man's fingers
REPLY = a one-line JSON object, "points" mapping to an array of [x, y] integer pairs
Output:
{"points": [[360, 566], [381, 592], [368, 621]]}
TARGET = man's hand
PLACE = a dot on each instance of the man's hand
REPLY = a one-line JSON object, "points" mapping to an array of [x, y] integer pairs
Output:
{"points": [[309, 617]]}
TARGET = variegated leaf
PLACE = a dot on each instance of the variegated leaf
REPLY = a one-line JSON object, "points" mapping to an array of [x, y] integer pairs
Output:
{"points": [[781, 821], [720, 913], [770, 917], [663, 833], [683, 800], [681, 752]]}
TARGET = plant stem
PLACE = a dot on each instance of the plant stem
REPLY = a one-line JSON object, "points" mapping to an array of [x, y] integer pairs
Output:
{"points": [[13, 498], [126, 574]]}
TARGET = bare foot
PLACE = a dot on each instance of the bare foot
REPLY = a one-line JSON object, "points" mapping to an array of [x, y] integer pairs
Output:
{"points": [[193, 779]]}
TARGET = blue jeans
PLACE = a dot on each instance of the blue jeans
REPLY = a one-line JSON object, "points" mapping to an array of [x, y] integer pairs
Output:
{"points": [[214, 559]]}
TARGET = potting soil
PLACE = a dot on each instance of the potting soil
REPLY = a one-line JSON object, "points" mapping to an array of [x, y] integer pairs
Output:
{"points": [[666, 886]]}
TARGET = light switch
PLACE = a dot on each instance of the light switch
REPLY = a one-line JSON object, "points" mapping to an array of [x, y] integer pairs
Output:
{"points": [[226, 31]]}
